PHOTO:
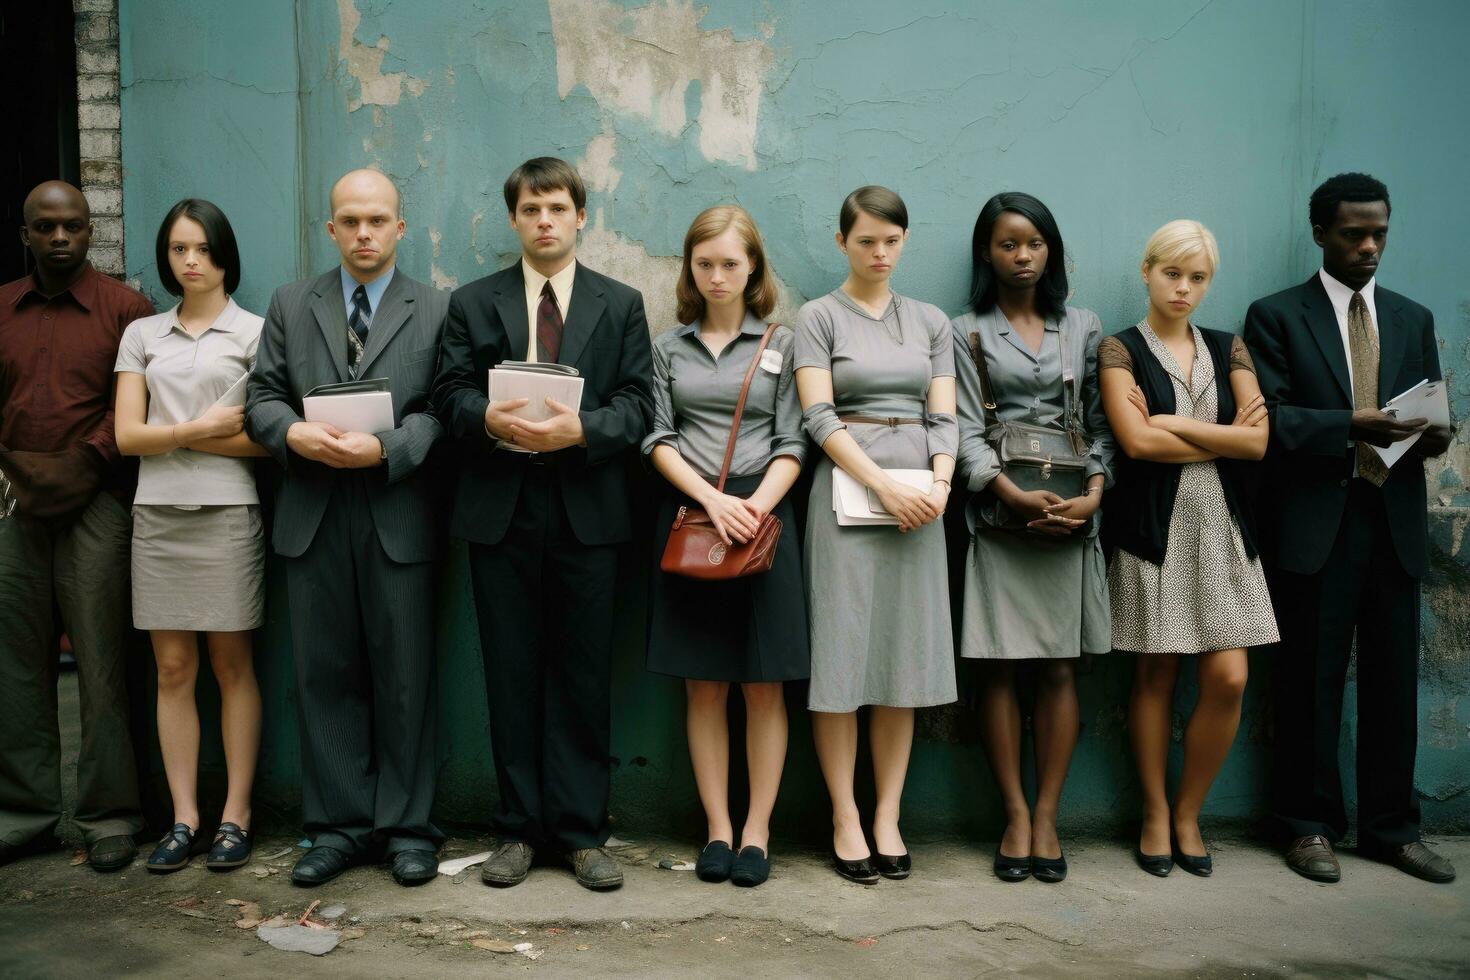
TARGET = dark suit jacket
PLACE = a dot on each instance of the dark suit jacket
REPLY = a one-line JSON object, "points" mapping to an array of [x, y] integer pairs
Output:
{"points": [[304, 344], [605, 337], [1297, 346]]}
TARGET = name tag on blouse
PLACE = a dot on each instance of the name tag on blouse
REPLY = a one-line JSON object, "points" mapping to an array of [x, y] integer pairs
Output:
{"points": [[771, 360]]}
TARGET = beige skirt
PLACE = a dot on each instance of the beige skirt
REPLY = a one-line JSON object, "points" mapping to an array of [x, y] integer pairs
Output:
{"points": [[200, 569]]}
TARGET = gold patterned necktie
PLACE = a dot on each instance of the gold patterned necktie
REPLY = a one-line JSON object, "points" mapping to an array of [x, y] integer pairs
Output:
{"points": [[1363, 345]]}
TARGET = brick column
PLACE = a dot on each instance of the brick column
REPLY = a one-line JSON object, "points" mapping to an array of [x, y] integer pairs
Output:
{"points": [[99, 118]]}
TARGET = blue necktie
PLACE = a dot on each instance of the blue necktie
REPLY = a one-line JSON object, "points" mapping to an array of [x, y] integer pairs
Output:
{"points": [[357, 326]]}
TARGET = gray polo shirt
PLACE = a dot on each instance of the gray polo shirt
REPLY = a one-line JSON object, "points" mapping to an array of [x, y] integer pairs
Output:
{"points": [[694, 396], [185, 376]]}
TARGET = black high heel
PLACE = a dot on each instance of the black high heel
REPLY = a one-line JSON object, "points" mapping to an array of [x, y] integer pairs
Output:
{"points": [[1203, 867], [1049, 870], [1158, 865], [860, 871], [896, 868], [1009, 868]]}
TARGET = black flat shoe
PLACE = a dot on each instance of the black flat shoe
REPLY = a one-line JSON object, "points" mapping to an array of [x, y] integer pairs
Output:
{"points": [[231, 848], [860, 871], [415, 866], [752, 867], [1158, 865], [1009, 868], [714, 862], [173, 850], [1049, 870], [1200, 866], [320, 865], [897, 868]]}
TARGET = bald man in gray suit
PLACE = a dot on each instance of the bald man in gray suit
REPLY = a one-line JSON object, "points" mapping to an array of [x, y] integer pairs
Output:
{"points": [[355, 524]]}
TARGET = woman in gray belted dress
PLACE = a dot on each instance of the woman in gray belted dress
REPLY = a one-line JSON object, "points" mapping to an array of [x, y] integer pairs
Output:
{"points": [[1037, 594], [874, 371]]}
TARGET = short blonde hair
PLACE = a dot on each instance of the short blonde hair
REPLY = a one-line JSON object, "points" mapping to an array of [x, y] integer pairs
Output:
{"points": [[1178, 240], [760, 290]]}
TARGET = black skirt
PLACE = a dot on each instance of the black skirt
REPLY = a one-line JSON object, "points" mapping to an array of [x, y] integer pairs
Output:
{"points": [[743, 630]]}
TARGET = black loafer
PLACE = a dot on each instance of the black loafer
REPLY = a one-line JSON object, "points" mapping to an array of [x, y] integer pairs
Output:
{"points": [[896, 868], [414, 867], [1009, 868], [320, 865], [860, 871], [231, 848], [752, 867], [714, 862], [1158, 865], [172, 852], [112, 853], [1049, 870], [1201, 866]]}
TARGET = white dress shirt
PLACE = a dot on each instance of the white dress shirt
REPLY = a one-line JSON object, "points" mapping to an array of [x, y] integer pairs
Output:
{"points": [[561, 287]]}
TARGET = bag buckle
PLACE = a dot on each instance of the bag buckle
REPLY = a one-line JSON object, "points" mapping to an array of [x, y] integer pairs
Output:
{"points": [[679, 518], [1046, 470]]}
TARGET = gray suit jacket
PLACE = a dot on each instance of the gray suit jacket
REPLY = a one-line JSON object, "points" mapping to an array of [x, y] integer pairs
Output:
{"points": [[304, 344]]}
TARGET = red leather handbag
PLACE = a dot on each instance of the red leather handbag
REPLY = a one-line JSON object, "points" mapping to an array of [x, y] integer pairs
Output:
{"points": [[695, 549]]}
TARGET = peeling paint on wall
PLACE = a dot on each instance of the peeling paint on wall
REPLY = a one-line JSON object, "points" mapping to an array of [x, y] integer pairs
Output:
{"points": [[643, 61], [365, 63]]}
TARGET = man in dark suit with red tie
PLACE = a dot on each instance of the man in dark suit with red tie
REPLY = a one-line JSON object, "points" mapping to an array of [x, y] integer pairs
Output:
{"points": [[1346, 535], [543, 506]]}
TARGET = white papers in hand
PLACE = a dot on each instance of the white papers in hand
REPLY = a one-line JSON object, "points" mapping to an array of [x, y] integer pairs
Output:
{"points": [[353, 406], [856, 506], [1426, 400], [234, 396], [535, 382]]}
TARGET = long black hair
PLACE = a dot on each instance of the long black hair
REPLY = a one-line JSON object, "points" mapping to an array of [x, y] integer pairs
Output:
{"points": [[1051, 288]]}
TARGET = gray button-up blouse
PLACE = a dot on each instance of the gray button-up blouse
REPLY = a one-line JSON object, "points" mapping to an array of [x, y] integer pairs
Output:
{"points": [[1027, 386], [694, 396]]}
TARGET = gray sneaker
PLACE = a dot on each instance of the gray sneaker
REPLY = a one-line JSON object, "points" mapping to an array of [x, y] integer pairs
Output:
{"points": [[596, 869], [508, 864]]}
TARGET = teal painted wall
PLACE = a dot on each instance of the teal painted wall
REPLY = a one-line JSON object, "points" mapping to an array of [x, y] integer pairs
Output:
{"points": [[1120, 115]]}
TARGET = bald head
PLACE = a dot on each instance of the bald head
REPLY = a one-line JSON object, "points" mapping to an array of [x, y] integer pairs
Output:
{"points": [[365, 223], [365, 184], [58, 231], [54, 193]]}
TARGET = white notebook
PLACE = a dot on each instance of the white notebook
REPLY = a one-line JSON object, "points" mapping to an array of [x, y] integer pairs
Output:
{"points": [[856, 506], [536, 382], [365, 405], [1426, 400]]}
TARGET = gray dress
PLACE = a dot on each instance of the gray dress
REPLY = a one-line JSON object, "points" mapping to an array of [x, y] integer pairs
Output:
{"points": [[1029, 597], [1208, 594], [878, 598]]}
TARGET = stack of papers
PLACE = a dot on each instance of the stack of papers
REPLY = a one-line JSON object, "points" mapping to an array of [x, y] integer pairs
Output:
{"points": [[856, 505], [1426, 400], [365, 405]]}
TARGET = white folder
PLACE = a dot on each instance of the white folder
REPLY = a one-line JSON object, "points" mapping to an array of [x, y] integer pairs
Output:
{"points": [[857, 506], [234, 396], [353, 406], [1426, 400], [535, 382]]}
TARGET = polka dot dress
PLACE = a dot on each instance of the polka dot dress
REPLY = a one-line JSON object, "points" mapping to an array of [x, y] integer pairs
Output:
{"points": [[1208, 594]]}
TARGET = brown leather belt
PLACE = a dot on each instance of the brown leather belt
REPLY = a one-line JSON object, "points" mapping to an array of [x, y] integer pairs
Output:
{"points": [[890, 420]]}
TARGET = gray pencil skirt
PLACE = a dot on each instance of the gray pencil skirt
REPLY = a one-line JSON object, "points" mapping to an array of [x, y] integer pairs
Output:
{"points": [[198, 569]]}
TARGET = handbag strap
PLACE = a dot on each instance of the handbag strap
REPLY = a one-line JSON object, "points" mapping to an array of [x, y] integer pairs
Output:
{"points": [[740, 405], [987, 396]]}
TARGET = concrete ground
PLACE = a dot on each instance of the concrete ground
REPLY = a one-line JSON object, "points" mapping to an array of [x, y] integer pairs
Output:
{"points": [[952, 918]]}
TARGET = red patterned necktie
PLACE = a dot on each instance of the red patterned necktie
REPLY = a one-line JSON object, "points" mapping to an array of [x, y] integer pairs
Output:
{"points": [[548, 326]]}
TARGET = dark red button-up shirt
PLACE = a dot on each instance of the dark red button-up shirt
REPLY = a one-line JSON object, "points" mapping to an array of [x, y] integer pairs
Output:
{"points": [[56, 360]]}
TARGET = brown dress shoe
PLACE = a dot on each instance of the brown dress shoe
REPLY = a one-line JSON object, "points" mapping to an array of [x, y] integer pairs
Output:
{"points": [[596, 869], [1312, 857], [1418, 860], [508, 864], [112, 853]]}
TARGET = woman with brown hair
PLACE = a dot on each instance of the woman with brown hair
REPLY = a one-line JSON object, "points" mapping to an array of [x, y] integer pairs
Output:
{"points": [[751, 630]]}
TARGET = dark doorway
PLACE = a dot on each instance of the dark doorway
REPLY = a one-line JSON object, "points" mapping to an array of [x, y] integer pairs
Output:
{"points": [[38, 74]]}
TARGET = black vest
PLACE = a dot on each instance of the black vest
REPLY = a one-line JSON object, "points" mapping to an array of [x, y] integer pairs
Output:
{"points": [[1141, 501]]}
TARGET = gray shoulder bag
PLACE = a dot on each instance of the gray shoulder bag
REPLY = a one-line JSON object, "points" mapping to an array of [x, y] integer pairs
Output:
{"points": [[1050, 457]]}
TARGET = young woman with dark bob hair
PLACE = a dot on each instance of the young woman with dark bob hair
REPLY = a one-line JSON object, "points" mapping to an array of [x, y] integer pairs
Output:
{"points": [[1035, 579], [198, 551], [749, 631], [876, 378]]}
